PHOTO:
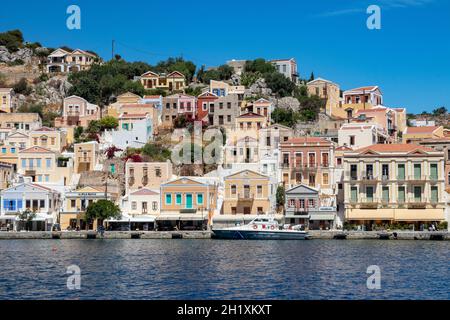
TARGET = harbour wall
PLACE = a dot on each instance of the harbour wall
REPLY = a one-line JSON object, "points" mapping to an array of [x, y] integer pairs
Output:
{"points": [[314, 234]]}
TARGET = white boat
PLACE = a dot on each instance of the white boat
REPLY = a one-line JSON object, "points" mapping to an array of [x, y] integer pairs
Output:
{"points": [[261, 228]]}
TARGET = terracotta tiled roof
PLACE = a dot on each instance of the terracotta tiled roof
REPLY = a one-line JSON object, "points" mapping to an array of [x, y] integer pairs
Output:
{"points": [[394, 148], [307, 140], [250, 115], [421, 129], [133, 115], [368, 88], [151, 97], [45, 129], [36, 150], [144, 192]]}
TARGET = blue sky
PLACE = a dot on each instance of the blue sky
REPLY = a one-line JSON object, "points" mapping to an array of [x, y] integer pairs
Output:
{"points": [[409, 58]]}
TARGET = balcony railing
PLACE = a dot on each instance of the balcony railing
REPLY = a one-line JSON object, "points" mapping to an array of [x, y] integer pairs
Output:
{"points": [[420, 178], [245, 195], [369, 203]]}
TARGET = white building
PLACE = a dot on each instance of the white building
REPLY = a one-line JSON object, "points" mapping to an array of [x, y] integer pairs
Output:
{"points": [[287, 67], [45, 202], [360, 135], [134, 131]]}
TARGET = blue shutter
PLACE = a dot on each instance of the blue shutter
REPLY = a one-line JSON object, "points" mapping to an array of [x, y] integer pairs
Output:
{"points": [[19, 204], [5, 204]]}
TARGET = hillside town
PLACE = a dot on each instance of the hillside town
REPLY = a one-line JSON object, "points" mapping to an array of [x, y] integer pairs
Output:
{"points": [[306, 151]]}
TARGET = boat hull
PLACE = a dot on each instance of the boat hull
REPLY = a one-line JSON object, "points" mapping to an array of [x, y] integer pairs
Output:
{"points": [[258, 235]]}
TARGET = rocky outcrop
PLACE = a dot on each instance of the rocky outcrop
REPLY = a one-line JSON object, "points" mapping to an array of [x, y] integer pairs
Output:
{"points": [[24, 54], [50, 92], [258, 88], [288, 103]]}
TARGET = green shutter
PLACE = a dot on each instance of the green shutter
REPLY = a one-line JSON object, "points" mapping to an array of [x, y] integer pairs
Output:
{"points": [[369, 193], [385, 194], [417, 171], [434, 194], [434, 171], [401, 194], [401, 171], [417, 194], [354, 194]]}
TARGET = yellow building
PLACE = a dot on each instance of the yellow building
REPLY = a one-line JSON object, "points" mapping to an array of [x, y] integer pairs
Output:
{"points": [[418, 134], [394, 183], [76, 203], [363, 98], [247, 193], [187, 203], [20, 121], [251, 121], [9, 154], [42, 166], [7, 101], [49, 138], [328, 90], [125, 98], [174, 81], [6, 175], [146, 175], [86, 156]]}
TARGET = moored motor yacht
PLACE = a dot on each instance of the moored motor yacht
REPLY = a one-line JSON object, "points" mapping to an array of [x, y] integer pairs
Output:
{"points": [[261, 228]]}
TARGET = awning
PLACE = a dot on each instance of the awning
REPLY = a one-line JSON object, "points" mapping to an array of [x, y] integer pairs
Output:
{"points": [[38, 218], [143, 219], [328, 217], [170, 217], [193, 217]]}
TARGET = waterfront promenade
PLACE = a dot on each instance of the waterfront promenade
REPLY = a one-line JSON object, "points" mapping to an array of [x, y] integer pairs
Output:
{"points": [[315, 234]]}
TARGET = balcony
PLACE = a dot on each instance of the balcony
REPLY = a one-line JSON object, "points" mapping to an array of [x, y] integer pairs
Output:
{"points": [[417, 178], [245, 196], [385, 178], [368, 203], [401, 178], [284, 165], [369, 178], [417, 203], [433, 179], [144, 180]]}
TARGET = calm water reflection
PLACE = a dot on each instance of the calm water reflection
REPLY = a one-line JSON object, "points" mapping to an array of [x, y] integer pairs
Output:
{"points": [[213, 269]]}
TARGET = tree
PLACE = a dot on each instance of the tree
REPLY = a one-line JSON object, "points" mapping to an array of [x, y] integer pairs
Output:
{"points": [[286, 117], [176, 64], [180, 122], [200, 73], [111, 151], [259, 65], [311, 77], [109, 123], [25, 217], [280, 196], [93, 126], [156, 151], [101, 210], [279, 84], [440, 111], [12, 40], [22, 87]]}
